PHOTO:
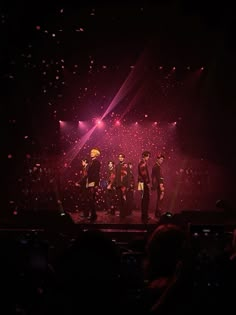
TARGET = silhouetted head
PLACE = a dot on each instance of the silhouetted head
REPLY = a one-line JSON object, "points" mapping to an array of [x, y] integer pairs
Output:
{"points": [[146, 154], [165, 249]]}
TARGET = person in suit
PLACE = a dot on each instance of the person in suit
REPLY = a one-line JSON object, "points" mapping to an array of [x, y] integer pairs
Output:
{"points": [[121, 183], [158, 184], [93, 180], [110, 189], [144, 181], [82, 190]]}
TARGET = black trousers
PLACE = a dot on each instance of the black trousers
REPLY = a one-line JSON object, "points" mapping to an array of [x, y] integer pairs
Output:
{"points": [[145, 202], [92, 202], [122, 201], [158, 210]]}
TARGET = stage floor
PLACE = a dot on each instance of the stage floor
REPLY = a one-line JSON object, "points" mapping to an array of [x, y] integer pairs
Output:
{"points": [[104, 218], [133, 222]]}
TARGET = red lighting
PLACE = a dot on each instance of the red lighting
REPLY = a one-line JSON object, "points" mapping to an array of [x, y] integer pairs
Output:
{"points": [[81, 124], [99, 123], [62, 123]]}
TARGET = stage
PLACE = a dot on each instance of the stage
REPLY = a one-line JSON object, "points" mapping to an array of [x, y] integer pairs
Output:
{"points": [[59, 229], [52, 217], [104, 218]]}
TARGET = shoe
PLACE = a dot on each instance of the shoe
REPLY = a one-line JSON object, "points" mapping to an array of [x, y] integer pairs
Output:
{"points": [[93, 218], [157, 214], [145, 219]]}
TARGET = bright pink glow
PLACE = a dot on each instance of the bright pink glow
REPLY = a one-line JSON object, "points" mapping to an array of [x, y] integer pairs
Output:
{"points": [[99, 123], [62, 123], [81, 124], [117, 123]]}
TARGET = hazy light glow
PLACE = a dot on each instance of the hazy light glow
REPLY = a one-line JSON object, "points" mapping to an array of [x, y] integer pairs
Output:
{"points": [[126, 87]]}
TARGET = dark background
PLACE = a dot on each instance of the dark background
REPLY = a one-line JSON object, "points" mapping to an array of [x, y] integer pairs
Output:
{"points": [[64, 61]]}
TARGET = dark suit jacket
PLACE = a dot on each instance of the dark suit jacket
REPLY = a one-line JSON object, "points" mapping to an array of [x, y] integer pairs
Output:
{"points": [[157, 177], [94, 172]]}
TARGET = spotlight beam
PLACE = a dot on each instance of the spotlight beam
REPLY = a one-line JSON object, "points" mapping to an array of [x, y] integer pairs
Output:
{"points": [[127, 85]]}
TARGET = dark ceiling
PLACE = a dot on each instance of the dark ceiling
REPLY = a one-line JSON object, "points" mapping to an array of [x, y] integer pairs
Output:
{"points": [[60, 60]]}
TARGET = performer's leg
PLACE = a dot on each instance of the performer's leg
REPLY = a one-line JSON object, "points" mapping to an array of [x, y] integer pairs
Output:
{"points": [[145, 203], [92, 204]]}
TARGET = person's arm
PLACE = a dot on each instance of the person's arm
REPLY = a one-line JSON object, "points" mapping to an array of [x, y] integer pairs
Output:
{"points": [[154, 178], [162, 191], [143, 173]]}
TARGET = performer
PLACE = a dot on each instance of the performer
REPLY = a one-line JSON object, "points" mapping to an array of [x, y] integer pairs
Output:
{"points": [[130, 189], [158, 184], [121, 183], [81, 184], [111, 189], [143, 185], [93, 180]]}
